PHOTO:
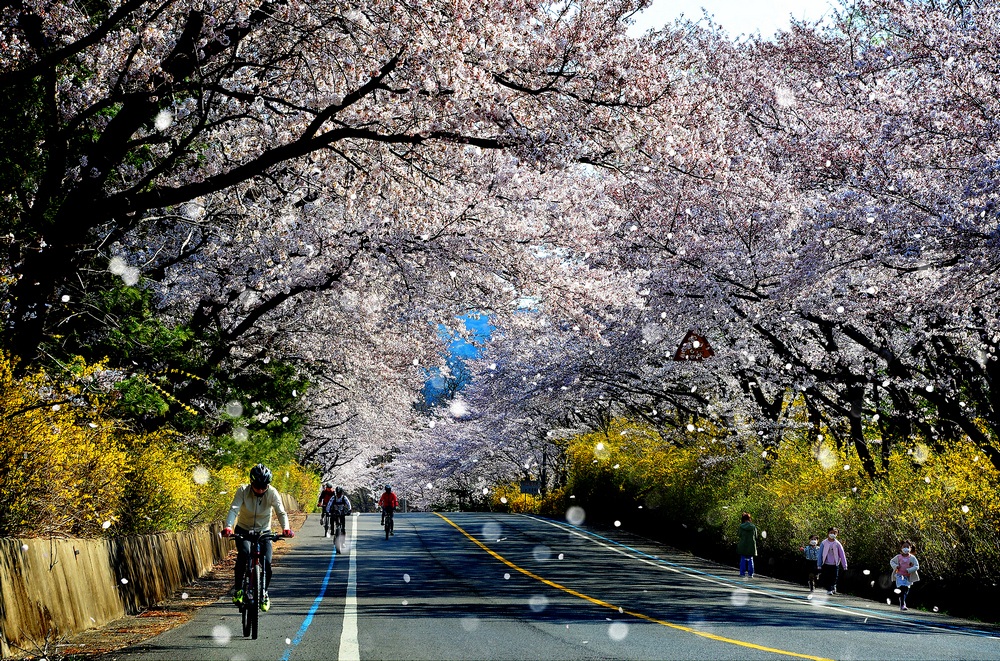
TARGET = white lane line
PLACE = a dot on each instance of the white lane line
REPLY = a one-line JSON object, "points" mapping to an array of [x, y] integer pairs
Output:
{"points": [[349, 632], [819, 603]]}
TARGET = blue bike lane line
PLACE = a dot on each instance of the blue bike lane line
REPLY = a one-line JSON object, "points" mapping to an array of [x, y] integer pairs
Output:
{"points": [[660, 563], [316, 603]]}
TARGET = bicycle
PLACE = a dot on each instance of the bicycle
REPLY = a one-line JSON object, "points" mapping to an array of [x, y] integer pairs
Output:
{"points": [[253, 579], [324, 520], [339, 530], [388, 523]]}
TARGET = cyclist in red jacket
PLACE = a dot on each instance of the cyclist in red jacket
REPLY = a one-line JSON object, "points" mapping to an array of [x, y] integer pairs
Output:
{"points": [[324, 498], [388, 503]]}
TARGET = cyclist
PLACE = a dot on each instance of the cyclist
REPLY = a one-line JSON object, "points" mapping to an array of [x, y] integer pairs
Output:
{"points": [[251, 510], [324, 498], [337, 510], [388, 503]]}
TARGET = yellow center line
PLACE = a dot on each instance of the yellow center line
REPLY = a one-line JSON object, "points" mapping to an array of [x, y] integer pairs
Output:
{"points": [[641, 616]]}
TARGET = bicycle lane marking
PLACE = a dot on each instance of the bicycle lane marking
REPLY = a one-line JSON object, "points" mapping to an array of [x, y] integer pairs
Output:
{"points": [[312, 611], [641, 616], [349, 632], [690, 572]]}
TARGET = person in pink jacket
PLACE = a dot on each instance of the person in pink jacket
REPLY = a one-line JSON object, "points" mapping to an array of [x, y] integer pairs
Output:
{"points": [[831, 558]]}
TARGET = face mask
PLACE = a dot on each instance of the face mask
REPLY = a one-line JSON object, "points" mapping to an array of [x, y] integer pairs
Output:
{"points": [[832, 535], [813, 542], [906, 549]]}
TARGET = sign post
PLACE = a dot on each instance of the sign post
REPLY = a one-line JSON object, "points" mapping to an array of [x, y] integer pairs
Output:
{"points": [[533, 487]]}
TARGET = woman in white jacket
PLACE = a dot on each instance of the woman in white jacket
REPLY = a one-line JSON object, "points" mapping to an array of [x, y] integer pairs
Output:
{"points": [[251, 510]]}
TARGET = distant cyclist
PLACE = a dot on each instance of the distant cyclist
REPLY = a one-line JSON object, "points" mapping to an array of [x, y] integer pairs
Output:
{"points": [[251, 510], [324, 498], [388, 503], [337, 510]]}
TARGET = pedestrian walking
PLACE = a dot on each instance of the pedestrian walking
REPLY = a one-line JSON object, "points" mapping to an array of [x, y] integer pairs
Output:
{"points": [[810, 553], [904, 569], [747, 546], [831, 559]]}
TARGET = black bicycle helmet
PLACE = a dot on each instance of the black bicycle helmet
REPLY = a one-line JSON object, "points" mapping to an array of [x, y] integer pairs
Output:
{"points": [[388, 488], [340, 491], [260, 476]]}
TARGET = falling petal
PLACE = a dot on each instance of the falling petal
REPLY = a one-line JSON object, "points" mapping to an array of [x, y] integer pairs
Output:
{"points": [[575, 515], [200, 475], [184, 595], [617, 631], [866, 572], [406, 578], [506, 577], [538, 603], [163, 120], [106, 525], [618, 524], [130, 275], [541, 552], [739, 597]]}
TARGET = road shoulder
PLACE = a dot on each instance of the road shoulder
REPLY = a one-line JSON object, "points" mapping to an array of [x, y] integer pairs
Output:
{"points": [[168, 614]]}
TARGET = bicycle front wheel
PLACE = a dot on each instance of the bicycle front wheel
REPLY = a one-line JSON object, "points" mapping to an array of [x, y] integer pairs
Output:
{"points": [[258, 598], [244, 611]]}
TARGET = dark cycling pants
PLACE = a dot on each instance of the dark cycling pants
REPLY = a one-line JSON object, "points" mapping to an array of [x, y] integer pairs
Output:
{"points": [[243, 558], [338, 517]]}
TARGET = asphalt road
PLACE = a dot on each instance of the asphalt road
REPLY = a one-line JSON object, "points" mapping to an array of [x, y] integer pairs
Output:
{"points": [[494, 586]]}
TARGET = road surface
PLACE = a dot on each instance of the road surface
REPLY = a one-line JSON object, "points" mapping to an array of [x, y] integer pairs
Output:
{"points": [[503, 586]]}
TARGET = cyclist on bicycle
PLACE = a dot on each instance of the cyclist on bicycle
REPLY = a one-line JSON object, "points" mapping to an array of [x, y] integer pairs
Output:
{"points": [[388, 503], [251, 510], [324, 499], [338, 508]]}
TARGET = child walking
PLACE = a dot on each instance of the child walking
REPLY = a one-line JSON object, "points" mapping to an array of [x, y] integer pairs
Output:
{"points": [[747, 546], [812, 560], [831, 558], [904, 568]]}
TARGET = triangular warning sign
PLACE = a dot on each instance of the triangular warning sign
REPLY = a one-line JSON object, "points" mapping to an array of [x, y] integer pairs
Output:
{"points": [[693, 347]]}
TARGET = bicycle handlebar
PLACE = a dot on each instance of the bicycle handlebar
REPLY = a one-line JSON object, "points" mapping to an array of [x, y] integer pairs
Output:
{"points": [[261, 537]]}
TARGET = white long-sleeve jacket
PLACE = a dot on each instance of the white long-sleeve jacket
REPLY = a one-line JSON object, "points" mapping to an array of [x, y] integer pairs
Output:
{"points": [[253, 512]]}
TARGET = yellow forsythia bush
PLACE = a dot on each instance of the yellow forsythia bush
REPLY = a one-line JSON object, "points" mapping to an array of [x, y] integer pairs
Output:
{"points": [[946, 502], [68, 468], [299, 482]]}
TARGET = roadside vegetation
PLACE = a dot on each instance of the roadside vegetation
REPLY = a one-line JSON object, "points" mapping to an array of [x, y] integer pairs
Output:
{"points": [[689, 488], [70, 467]]}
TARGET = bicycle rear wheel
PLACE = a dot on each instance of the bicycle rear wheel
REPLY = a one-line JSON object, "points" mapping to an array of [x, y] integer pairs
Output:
{"points": [[258, 596]]}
